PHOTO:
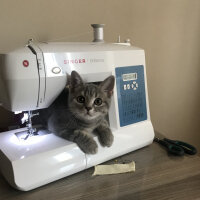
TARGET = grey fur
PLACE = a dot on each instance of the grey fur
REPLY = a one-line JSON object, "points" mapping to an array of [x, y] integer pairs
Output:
{"points": [[75, 121]]}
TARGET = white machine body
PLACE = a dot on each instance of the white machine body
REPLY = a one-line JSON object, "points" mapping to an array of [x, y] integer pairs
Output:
{"points": [[33, 76]]}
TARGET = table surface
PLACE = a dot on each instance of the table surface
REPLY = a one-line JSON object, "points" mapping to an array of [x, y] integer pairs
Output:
{"points": [[157, 176]]}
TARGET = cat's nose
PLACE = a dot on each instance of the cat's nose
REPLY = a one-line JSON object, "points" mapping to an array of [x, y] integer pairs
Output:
{"points": [[88, 108]]}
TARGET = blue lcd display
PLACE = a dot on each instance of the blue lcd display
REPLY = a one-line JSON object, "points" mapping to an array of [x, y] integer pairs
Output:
{"points": [[131, 94]]}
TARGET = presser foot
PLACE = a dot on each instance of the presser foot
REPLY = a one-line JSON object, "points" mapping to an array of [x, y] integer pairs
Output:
{"points": [[30, 133], [24, 135], [27, 118], [39, 131]]}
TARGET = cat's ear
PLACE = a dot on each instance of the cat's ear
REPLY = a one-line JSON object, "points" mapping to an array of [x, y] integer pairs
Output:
{"points": [[107, 85], [75, 80]]}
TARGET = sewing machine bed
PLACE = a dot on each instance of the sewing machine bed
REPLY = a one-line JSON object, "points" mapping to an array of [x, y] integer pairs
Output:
{"points": [[41, 159]]}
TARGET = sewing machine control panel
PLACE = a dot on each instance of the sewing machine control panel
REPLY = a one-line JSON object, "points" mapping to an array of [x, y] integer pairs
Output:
{"points": [[131, 94]]}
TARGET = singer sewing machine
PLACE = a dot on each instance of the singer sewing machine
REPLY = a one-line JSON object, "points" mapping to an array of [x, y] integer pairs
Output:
{"points": [[33, 76]]}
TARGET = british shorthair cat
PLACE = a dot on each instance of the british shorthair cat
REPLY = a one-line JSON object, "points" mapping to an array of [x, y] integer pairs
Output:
{"points": [[80, 111]]}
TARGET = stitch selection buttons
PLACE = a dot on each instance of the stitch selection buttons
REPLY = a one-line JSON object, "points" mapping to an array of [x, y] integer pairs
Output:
{"points": [[134, 85]]}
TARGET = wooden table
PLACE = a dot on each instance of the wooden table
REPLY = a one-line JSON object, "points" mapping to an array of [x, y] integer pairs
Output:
{"points": [[157, 176]]}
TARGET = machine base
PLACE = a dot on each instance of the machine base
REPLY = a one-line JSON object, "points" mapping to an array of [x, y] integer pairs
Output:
{"points": [[31, 163]]}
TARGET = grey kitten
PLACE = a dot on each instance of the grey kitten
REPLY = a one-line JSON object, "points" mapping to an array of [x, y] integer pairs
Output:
{"points": [[82, 110]]}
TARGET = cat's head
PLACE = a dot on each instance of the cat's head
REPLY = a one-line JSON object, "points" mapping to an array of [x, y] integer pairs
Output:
{"points": [[87, 100]]}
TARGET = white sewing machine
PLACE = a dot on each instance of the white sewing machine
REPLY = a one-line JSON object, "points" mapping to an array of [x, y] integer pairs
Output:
{"points": [[33, 76]]}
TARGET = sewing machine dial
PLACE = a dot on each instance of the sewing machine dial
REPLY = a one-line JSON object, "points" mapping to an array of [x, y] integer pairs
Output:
{"points": [[131, 94]]}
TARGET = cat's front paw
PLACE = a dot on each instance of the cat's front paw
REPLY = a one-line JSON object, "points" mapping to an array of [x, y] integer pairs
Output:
{"points": [[87, 144], [90, 147], [106, 138]]}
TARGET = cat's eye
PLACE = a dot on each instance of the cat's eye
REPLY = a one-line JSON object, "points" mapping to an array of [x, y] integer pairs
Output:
{"points": [[80, 99], [98, 101]]}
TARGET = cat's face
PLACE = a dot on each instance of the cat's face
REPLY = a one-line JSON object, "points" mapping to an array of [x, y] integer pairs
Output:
{"points": [[89, 101]]}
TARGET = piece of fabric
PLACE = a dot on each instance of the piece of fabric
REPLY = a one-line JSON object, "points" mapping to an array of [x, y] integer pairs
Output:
{"points": [[114, 169]]}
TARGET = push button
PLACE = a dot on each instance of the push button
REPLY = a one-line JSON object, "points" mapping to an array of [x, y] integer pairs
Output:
{"points": [[56, 70]]}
